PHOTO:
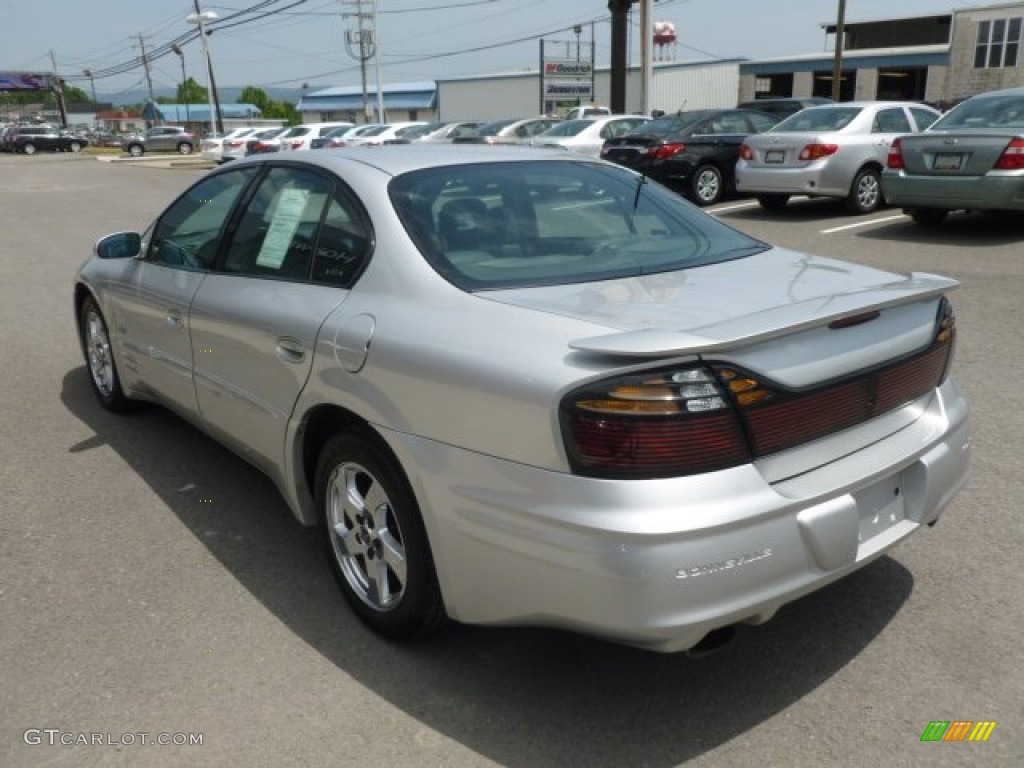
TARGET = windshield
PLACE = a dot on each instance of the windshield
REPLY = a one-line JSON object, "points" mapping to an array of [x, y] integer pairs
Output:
{"points": [[988, 112], [507, 224], [818, 119]]}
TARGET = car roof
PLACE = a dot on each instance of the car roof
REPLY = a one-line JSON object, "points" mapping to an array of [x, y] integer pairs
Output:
{"points": [[402, 158]]}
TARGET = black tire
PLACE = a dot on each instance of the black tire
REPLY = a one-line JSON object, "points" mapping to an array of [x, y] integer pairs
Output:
{"points": [[927, 217], [99, 358], [773, 202], [707, 186], [184, 148], [135, 150], [865, 192], [75, 146], [381, 556]]}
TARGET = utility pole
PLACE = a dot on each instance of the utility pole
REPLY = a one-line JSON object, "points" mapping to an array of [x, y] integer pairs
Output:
{"points": [[359, 43], [620, 32], [145, 65], [58, 89], [837, 64]]}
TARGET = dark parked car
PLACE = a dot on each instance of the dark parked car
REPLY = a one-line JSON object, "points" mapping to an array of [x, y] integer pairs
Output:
{"points": [[693, 152], [162, 138], [784, 107], [30, 139]]}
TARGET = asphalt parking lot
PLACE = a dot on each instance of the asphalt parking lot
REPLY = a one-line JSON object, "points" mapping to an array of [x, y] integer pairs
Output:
{"points": [[152, 583]]}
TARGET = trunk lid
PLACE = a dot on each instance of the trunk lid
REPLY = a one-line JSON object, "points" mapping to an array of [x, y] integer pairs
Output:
{"points": [[953, 154], [775, 312]]}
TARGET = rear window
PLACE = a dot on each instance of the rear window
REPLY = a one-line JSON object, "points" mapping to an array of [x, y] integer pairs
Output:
{"points": [[501, 225], [988, 112], [818, 119]]}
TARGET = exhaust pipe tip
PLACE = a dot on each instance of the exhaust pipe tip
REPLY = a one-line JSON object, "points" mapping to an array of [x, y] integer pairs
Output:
{"points": [[712, 642]]}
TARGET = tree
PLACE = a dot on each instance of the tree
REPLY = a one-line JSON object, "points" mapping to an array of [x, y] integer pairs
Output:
{"points": [[253, 95], [75, 95], [191, 92]]}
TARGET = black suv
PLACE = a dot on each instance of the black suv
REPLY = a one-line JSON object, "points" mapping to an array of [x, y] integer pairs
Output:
{"points": [[166, 138], [30, 139]]}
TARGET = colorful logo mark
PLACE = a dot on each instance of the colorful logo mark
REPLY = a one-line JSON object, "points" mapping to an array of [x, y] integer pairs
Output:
{"points": [[958, 730]]}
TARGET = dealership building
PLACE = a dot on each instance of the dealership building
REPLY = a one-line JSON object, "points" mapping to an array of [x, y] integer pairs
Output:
{"points": [[938, 58]]}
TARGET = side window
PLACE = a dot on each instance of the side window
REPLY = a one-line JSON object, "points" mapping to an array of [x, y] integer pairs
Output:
{"points": [[343, 246], [730, 122], [891, 121], [761, 122], [277, 233], [923, 117], [188, 233]]}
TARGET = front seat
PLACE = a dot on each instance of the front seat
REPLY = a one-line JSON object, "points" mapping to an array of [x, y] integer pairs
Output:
{"points": [[465, 224]]}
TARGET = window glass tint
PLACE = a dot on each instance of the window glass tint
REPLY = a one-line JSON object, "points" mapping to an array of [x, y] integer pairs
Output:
{"points": [[277, 232], [891, 121], [189, 231], [499, 225], [818, 119], [923, 117], [987, 112], [343, 244], [761, 122]]}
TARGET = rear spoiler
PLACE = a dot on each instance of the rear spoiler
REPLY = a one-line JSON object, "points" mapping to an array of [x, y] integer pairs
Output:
{"points": [[769, 324]]}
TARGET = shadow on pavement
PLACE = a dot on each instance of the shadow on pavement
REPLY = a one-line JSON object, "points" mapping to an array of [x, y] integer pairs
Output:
{"points": [[521, 697]]}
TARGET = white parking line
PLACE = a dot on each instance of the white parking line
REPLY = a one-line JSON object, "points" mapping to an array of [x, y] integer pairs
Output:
{"points": [[734, 207], [867, 223]]}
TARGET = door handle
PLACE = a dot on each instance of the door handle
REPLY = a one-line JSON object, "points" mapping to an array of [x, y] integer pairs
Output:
{"points": [[174, 319], [290, 350]]}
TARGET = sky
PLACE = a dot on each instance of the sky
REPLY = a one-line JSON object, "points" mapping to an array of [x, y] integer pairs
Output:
{"points": [[288, 43]]}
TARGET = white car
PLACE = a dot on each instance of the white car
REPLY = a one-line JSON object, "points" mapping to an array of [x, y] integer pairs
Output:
{"points": [[212, 147], [587, 135], [301, 136], [383, 134]]}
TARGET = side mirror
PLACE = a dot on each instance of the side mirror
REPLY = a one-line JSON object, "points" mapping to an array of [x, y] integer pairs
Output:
{"points": [[120, 245]]}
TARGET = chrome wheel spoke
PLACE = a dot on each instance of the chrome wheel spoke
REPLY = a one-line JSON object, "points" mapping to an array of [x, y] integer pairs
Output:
{"points": [[365, 537]]}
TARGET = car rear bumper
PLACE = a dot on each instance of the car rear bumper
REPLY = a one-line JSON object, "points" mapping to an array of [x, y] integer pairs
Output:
{"points": [[993, 191], [660, 563], [815, 180]]}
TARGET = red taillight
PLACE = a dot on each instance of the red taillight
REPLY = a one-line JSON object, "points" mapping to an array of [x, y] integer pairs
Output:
{"points": [[894, 159], [684, 421], [659, 424], [818, 151], [1012, 158], [746, 152], [661, 151]]}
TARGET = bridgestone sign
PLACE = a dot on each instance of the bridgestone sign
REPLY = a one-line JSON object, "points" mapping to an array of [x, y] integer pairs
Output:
{"points": [[558, 90]]}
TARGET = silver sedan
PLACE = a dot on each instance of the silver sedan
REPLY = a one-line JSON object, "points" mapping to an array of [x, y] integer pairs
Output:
{"points": [[513, 388], [972, 159], [837, 150]]}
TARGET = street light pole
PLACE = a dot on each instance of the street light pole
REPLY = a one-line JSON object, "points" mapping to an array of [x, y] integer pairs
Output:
{"points": [[198, 18], [184, 81]]}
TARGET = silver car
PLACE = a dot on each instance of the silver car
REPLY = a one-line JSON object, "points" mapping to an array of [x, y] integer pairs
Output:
{"points": [[514, 387], [838, 150], [971, 159]]}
